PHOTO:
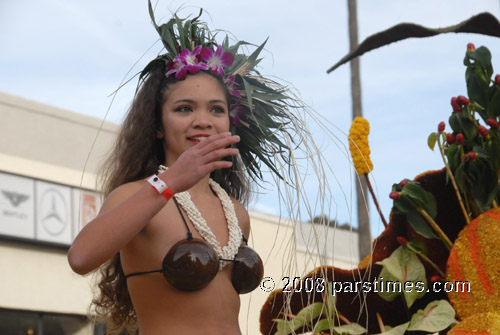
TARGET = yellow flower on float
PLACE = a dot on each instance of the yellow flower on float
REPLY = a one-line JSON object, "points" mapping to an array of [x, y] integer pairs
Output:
{"points": [[358, 145]]}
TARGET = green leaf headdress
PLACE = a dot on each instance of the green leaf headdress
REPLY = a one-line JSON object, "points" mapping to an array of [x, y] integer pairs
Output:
{"points": [[260, 114]]}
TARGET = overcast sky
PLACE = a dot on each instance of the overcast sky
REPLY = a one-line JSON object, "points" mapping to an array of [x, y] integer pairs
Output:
{"points": [[73, 55]]}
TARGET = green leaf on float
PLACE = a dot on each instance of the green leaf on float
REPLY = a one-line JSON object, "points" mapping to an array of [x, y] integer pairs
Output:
{"points": [[437, 315], [470, 128], [482, 112], [485, 181], [350, 329], [418, 223], [477, 85], [398, 330], [494, 105], [480, 152], [310, 312], [455, 122], [321, 325], [492, 152], [419, 245], [482, 56], [443, 137], [453, 156], [431, 205], [303, 318], [331, 302], [431, 140], [400, 273], [461, 123], [403, 205], [397, 187], [460, 177], [416, 192], [283, 327]]}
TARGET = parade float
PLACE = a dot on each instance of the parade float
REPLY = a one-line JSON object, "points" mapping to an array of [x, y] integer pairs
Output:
{"points": [[443, 231]]}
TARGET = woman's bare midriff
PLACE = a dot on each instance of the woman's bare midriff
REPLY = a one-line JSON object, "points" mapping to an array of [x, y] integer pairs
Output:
{"points": [[162, 309]]}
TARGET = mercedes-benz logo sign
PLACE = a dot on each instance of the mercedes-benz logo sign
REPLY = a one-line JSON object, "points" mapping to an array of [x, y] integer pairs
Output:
{"points": [[53, 212]]}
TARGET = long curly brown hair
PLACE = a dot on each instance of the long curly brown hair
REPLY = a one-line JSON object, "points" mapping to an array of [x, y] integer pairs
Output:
{"points": [[137, 153]]}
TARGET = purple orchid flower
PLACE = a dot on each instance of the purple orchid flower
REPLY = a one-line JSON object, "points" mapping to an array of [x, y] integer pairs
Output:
{"points": [[236, 113], [186, 61], [216, 61], [231, 86]]}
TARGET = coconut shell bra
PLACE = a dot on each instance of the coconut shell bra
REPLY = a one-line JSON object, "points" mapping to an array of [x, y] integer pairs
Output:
{"points": [[192, 263]]}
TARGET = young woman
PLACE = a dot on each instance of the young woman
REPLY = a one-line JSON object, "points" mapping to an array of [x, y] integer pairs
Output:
{"points": [[138, 222], [171, 235]]}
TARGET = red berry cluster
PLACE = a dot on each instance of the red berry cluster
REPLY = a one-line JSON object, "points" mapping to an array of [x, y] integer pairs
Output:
{"points": [[463, 101], [458, 102], [435, 278], [471, 47], [482, 130], [497, 79], [441, 126], [492, 123], [470, 156], [455, 105], [394, 195], [402, 240]]}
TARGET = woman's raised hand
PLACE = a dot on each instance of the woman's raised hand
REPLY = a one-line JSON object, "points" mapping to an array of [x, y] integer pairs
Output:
{"points": [[200, 160]]}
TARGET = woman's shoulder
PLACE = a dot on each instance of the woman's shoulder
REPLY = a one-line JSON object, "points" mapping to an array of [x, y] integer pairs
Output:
{"points": [[238, 207], [122, 193], [242, 215]]}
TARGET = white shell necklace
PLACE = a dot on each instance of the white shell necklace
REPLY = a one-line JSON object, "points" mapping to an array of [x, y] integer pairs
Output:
{"points": [[235, 234]]}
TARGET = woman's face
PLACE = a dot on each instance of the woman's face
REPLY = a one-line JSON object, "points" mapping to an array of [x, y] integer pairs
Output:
{"points": [[195, 107]]}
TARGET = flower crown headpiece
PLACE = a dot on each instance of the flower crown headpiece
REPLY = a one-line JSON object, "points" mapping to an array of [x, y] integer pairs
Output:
{"points": [[260, 113]]}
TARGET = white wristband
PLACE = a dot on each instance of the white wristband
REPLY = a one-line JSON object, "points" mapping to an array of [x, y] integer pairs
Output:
{"points": [[160, 186]]}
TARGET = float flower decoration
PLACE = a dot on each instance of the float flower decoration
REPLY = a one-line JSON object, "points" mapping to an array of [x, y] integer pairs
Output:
{"points": [[360, 153], [471, 151], [358, 145]]}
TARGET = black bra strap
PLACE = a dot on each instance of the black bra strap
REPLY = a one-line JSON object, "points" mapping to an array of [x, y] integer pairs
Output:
{"points": [[141, 273], [190, 235]]}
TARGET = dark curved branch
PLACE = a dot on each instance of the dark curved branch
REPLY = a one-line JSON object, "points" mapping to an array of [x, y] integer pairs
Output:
{"points": [[483, 23]]}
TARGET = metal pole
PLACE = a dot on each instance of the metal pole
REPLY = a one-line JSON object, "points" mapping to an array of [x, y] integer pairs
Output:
{"points": [[364, 234], [40, 324]]}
